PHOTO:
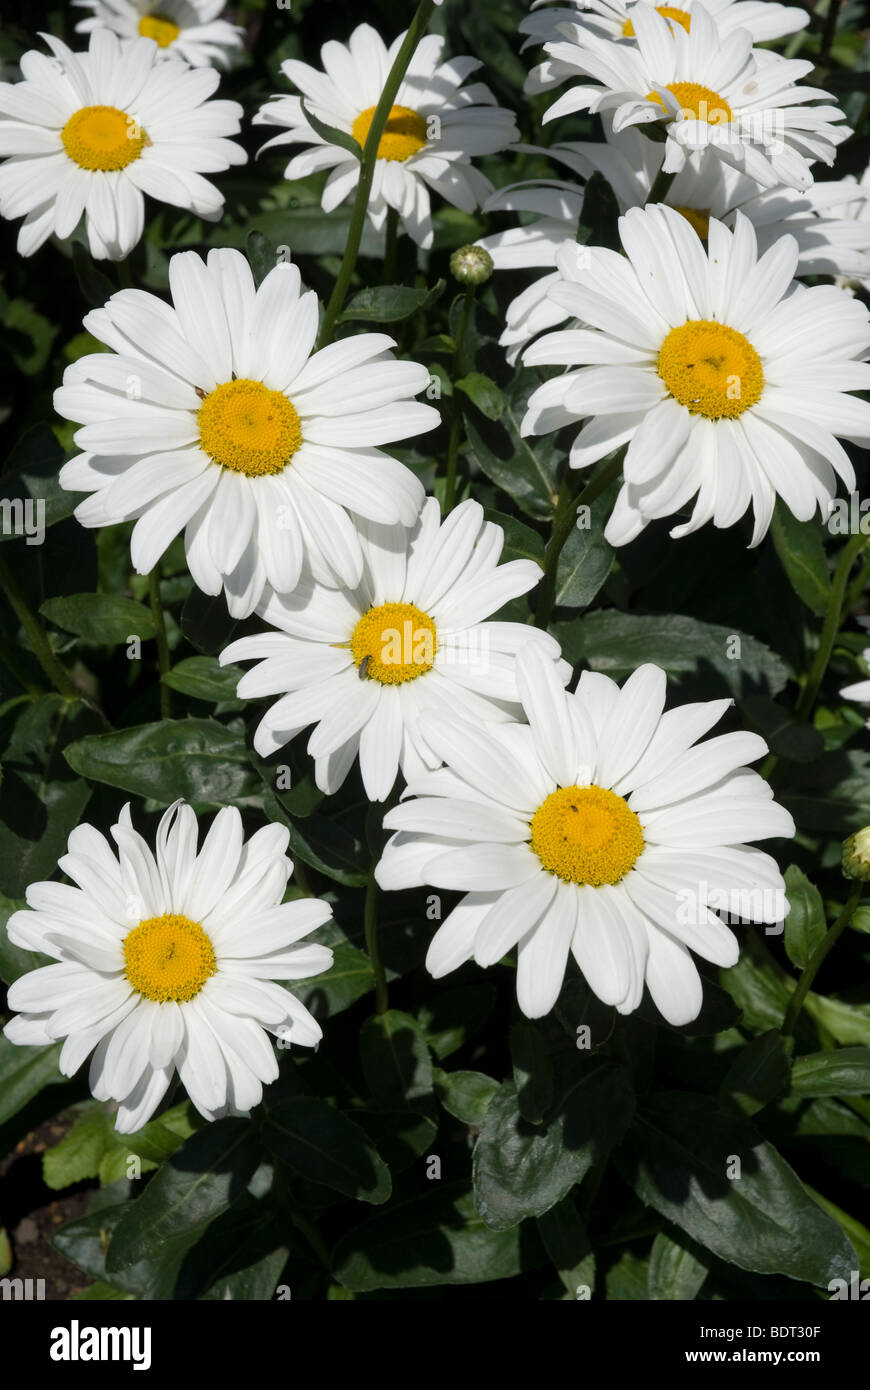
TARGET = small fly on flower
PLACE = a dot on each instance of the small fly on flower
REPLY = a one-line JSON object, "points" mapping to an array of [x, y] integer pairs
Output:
{"points": [[363, 668]]}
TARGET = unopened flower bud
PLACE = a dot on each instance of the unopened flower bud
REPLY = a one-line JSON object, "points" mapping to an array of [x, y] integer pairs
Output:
{"points": [[856, 855], [471, 265]]}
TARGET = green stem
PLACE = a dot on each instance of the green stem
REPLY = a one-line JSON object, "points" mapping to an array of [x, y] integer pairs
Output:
{"points": [[416, 30], [857, 587], [563, 524], [39, 643], [831, 625], [456, 422], [13, 663], [372, 946], [162, 645], [828, 34], [661, 186], [391, 248], [811, 969]]}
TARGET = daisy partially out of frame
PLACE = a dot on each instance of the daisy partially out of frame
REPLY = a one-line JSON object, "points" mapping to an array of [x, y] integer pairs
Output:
{"points": [[434, 130], [166, 961], [601, 829], [91, 134], [364, 663], [191, 30], [704, 89], [728, 382], [217, 417]]}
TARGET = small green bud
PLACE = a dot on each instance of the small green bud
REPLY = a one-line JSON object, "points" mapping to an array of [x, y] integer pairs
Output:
{"points": [[471, 265], [856, 855]]}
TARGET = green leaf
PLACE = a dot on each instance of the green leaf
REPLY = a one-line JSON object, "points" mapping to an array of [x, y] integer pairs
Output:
{"points": [[678, 1157], [617, 643], [400, 1136], [206, 623], [533, 1071], [197, 759], [93, 1148], [522, 1170], [330, 133], [805, 924], [23, 1073], [349, 977], [786, 736], [102, 1293], [390, 303], [526, 469], [520, 541], [203, 678], [434, 1239], [847, 1023], [855, 1231], [323, 1145], [760, 1072], [96, 287], [802, 555], [31, 473], [586, 559], [395, 1061], [599, 216], [5, 1252], [467, 1095], [675, 1271], [484, 393], [195, 1185], [261, 255], [323, 843], [450, 1019], [85, 1241], [106, 619], [567, 1244], [844, 1071]]}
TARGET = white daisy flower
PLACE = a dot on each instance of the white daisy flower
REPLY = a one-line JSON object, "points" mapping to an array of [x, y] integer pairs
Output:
{"points": [[363, 663], [432, 133], [856, 207], [168, 962], [188, 29], [724, 378], [217, 417], [824, 219], [612, 19], [94, 132], [598, 829], [704, 89]]}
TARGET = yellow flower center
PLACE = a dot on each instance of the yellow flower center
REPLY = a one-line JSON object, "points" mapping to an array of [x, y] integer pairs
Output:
{"points": [[404, 134], [102, 137], [586, 835], [160, 28], [168, 957], [697, 103], [711, 369], [699, 221], [394, 642], [668, 12], [248, 428]]}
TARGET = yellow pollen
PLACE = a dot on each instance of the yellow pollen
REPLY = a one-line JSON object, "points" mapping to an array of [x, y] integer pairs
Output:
{"points": [[160, 28], [394, 642], [168, 957], [697, 220], [404, 134], [586, 835], [697, 103], [248, 428], [102, 137], [711, 369], [668, 12]]}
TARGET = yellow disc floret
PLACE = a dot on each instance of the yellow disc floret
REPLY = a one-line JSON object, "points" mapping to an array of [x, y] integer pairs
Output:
{"points": [[586, 835], [697, 103], [668, 12], [102, 137], [168, 957], [394, 642], [160, 28], [699, 221], [404, 134], [711, 369], [245, 426]]}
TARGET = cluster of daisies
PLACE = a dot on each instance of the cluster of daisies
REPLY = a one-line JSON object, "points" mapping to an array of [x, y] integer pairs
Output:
{"points": [[590, 822]]}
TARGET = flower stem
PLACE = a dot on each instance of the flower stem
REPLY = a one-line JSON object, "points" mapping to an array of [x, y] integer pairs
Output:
{"points": [[456, 421], [397, 72], [660, 188], [811, 969], [563, 523], [372, 947], [828, 33], [39, 643], [162, 644]]}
